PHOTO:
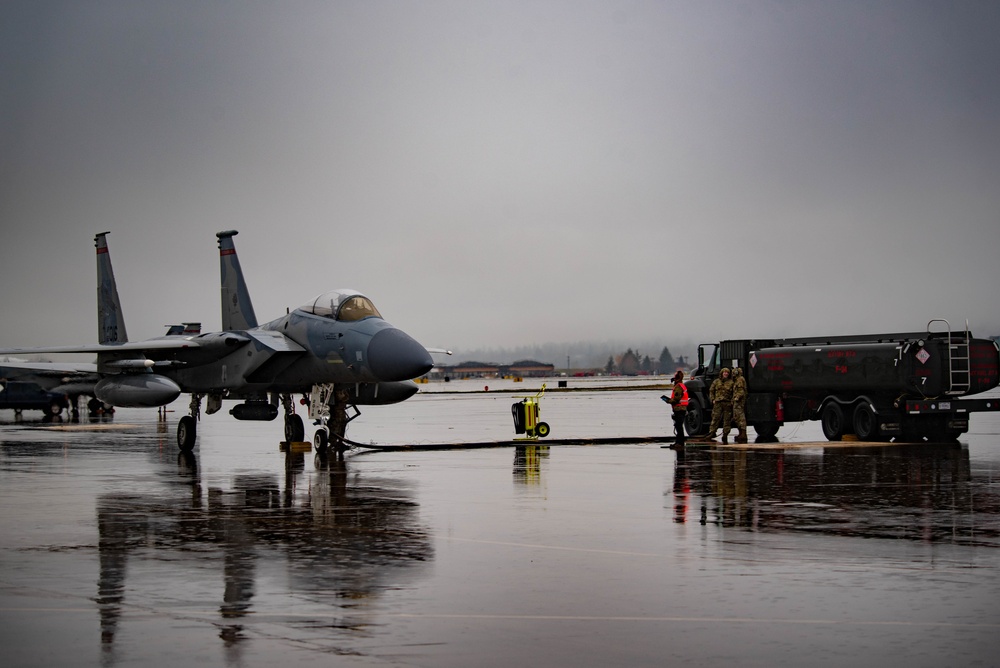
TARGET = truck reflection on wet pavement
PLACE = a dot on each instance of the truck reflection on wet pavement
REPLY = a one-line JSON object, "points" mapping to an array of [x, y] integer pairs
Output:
{"points": [[921, 492]]}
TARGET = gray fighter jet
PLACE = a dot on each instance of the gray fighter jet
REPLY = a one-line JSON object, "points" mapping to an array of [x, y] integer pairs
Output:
{"points": [[336, 351]]}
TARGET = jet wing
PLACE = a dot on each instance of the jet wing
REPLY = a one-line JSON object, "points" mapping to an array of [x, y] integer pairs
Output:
{"points": [[132, 347], [55, 369]]}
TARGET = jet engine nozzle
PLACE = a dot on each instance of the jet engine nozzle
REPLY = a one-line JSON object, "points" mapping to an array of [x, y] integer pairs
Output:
{"points": [[393, 356]]}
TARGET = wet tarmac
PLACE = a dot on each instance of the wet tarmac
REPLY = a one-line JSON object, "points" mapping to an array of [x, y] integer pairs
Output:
{"points": [[116, 551]]}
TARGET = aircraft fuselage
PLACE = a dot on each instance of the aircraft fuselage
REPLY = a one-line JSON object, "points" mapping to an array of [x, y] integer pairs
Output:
{"points": [[297, 351]]}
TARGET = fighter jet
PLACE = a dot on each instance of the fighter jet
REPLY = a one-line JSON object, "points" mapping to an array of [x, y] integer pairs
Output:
{"points": [[336, 350]]}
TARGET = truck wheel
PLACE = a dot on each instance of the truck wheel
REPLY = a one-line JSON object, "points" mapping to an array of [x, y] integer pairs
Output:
{"points": [[938, 431], [766, 431], [912, 432], [694, 421], [833, 421], [865, 422]]}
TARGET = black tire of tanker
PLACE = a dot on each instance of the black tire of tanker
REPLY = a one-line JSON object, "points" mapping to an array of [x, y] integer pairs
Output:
{"points": [[865, 422], [940, 433], [766, 431], [694, 419], [912, 432], [834, 423]]}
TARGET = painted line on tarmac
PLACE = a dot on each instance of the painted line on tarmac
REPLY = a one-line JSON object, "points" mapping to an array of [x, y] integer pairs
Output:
{"points": [[538, 546], [260, 616], [90, 427], [700, 620]]}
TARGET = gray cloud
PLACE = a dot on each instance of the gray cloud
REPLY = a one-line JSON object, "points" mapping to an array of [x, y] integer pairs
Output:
{"points": [[502, 174]]}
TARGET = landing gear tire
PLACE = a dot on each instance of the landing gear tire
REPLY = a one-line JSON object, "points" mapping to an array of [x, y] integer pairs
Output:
{"points": [[833, 422], [294, 429], [694, 420], [55, 408], [542, 429], [321, 440], [865, 422], [186, 432]]}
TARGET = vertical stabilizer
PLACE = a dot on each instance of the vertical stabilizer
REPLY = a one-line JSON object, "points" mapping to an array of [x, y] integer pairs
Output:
{"points": [[237, 310], [110, 321]]}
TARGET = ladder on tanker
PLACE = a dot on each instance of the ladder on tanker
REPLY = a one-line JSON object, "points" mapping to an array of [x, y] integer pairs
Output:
{"points": [[959, 360]]}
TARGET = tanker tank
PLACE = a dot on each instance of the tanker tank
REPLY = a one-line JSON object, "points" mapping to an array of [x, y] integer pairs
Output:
{"points": [[916, 368]]}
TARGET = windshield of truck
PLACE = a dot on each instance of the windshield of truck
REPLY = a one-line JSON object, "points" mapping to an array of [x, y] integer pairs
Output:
{"points": [[708, 357]]}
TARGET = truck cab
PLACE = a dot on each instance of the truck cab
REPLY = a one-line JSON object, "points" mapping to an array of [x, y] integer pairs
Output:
{"points": [[762, 412]]}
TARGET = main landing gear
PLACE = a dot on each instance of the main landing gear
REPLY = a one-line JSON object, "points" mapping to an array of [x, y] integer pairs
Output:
{"points": [[187, 426], [329, 406], [294, 428]]}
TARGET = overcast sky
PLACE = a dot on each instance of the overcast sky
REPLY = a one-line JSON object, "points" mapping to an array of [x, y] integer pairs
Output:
{"points": [[505, 173]]}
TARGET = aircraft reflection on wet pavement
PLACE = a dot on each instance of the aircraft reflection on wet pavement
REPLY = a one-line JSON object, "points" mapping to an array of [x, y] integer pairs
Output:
{"points": [[919, 492], [347, 542]]}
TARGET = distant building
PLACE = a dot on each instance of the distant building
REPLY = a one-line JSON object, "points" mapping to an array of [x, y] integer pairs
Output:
{"points": [[530, 369], [521, 369]]}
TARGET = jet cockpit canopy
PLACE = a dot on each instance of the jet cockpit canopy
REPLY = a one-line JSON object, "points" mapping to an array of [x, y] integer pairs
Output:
{"points": [[343, 305]]}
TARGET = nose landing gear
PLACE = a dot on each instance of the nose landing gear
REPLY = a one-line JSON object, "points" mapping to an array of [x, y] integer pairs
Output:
{"points": [[329, 406]]}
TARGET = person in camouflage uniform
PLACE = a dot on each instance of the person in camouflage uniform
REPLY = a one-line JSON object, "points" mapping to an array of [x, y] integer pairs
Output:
{"points": [[721, 396], [740, 404]]}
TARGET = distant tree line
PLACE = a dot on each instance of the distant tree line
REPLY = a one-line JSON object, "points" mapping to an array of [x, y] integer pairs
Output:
{"points": [[634, 363], [603, 357]]}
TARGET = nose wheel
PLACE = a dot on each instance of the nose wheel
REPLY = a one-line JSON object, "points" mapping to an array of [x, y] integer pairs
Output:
{"points": [[321, 440]]}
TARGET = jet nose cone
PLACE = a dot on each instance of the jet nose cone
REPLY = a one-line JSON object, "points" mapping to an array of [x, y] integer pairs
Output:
{"points": [[393, 355]]}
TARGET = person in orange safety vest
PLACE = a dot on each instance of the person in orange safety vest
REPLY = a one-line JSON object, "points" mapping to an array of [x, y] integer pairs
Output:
{"points": [[679, 400]]}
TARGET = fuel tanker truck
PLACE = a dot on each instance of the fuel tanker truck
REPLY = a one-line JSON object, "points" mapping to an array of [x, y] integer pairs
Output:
{"points": [[909, 386]]}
